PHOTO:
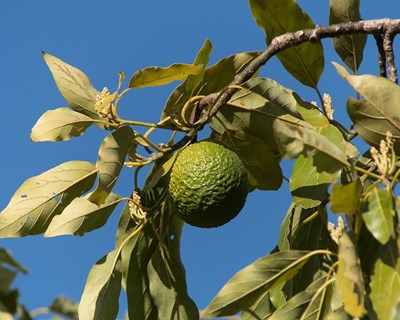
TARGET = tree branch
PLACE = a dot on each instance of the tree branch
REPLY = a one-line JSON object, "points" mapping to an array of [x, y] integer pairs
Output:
{"points": [[388, 47], [381, 55], [290, 39], [387, 27]]}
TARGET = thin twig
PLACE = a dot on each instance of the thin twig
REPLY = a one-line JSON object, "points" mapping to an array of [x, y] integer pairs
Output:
{"points": [[381, 55], [388, 47]]}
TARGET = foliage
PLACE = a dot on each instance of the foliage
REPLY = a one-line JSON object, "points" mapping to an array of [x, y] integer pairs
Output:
{"points": [[318, 270]]}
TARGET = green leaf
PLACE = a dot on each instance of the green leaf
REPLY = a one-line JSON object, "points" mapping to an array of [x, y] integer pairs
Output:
{"points": [[379, 214], [296, 137], [103, 285], [215, 78], [276, 17], [157, 76], [7, 277], [202, 58], [65, 307], [307, 185], [346, 198], [42, 197], [261, 163], [111, 159], [74, 86], [313, 173], [254, 280], [82, 216], [350, 47], [167, 281], [7, 258], [338, 314], [385, 290], [349, 279], [136, 255], [60, 125], [373, 123], [379, 112], [306, 304], [261, 308]]}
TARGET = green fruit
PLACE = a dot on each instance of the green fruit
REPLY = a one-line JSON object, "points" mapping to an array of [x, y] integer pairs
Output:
{"points": [[208, 184]]}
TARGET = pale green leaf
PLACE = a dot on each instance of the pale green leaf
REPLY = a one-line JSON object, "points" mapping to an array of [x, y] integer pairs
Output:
{"points": [[296, 137], [349, 47], [215, 78], [308, 185], [372, 123], [349, 279], [60, 125], [112, 154], [249, 283], [379, 214], [385, 290], [42, 197], [74, 85], [157, 76], [100, 298], [82, 216], [202, 58], [65, 307], [346, 198], [7, 258], [276, 17]]}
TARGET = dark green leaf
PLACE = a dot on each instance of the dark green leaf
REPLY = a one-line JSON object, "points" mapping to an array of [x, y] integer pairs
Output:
{"points": [[261, 163], [74, 85], [350, 47], [82, 216], [112, 154], [385, 290], [306, 304], [167, 279], [60, 125], [101, 295], [136, 256], [276, 17], [346, 198], [379, 214], [157, 76], [42, 197], [66, 307], [254, 280], [7, 277], [349, 279], [215, 78]]}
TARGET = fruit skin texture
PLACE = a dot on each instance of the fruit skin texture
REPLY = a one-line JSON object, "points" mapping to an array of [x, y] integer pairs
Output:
{"points": [[208, 184]]}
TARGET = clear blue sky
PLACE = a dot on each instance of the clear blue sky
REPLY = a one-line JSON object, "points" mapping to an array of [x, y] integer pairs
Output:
{"points": [[101, 38]]}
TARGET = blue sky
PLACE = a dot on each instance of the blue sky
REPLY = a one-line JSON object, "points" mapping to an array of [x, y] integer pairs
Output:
{"points": [[102, 38]]}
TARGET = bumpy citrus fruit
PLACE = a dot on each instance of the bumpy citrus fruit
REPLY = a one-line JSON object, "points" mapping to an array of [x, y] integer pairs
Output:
{"points": [[208, 184]]}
